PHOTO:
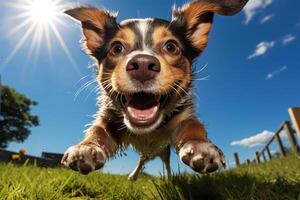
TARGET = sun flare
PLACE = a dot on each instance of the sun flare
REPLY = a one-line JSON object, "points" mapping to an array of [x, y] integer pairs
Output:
{"points": [[43, 11], [38, 22]]}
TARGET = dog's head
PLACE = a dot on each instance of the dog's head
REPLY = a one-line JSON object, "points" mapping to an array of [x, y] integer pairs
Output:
{"points": [[145, 65]]}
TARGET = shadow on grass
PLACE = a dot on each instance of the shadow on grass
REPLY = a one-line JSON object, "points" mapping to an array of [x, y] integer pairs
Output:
{"points": [[225, 186]]}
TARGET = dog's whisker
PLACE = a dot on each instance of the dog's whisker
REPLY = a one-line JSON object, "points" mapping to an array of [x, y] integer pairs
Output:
{"points": [[176, 91], [92, 64], [82, 78], [206, 78], [110, 93], [88, 83], [98, 90], [118, 96], [122, 127], [93, 90], [109, 73], [166, 91], [108, 86], [200, 70], [106, 82], [83, 87], [106, 73], [181, 88]]}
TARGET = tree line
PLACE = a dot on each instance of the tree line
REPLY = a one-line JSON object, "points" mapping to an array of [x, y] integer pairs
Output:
{"points": [[16, 116]]}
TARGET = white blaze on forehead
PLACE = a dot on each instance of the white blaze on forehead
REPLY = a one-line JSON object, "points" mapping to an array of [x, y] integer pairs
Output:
{"points": [[143, 27]]}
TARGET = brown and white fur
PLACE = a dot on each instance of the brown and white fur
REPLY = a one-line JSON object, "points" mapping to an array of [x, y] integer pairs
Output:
{"points": [[144, 68]]}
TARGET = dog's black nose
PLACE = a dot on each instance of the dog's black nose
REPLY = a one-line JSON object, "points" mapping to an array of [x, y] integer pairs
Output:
{"points": [[143, 67]]}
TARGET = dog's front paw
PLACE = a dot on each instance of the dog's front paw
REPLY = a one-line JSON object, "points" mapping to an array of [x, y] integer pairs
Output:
{"points": [[84, 158], [202, 157]]}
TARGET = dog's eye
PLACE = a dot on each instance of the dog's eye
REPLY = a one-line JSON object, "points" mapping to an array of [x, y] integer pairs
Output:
{"points": [[171, 47], [117, 48]]}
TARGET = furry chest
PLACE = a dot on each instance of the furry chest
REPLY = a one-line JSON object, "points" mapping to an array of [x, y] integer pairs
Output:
{"points": [[150, 145]]}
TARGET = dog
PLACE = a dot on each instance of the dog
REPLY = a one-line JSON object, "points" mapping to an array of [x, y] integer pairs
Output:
{"points": [[144, 70]]}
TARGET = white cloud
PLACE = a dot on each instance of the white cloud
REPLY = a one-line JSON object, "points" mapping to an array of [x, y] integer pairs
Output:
{"points": [[288, 39], [254, 6], [259, 139], [266, 18], [261, 49], [256, 140], [276, 72]]}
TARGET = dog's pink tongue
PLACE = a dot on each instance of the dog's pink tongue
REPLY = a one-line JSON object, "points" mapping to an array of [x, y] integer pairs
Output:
{"points": [[143, 115]]}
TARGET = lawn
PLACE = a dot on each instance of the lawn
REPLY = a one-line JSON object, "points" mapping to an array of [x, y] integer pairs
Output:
{"points": [[278, 179]]}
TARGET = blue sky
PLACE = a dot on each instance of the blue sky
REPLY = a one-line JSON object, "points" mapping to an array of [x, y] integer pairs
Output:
{"points": [[252, 62]]}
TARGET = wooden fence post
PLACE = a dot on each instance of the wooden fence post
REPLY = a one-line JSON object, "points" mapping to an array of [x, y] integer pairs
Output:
{"points": [[257, 158], [295, 117], [280, 145], [264, 156], [236, 158], [269, 152], [291, 137]]}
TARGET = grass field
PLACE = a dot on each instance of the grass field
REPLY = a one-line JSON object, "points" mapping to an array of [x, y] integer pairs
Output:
{"points": [[278, 179]]}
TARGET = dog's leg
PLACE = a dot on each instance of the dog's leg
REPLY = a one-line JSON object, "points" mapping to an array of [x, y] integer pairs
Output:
{"points": [[92, 152], [195, 149], [165, 157], [134, 174]]}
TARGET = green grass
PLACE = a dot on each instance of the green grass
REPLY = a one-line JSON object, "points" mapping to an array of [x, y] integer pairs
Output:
{"points": [[275, 180]]}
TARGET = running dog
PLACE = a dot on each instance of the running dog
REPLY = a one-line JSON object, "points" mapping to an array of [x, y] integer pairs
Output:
{"points": [[144, 68]]}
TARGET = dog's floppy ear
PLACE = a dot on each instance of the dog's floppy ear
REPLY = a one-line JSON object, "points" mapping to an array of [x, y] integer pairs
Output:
{"points": [[96, 24], [197, 17]]}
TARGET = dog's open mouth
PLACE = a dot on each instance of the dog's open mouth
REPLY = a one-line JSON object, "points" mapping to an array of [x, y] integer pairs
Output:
{"points": [[143, 109]]}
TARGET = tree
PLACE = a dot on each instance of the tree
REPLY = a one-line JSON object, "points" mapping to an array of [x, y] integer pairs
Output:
{"points": [[16, 118]]}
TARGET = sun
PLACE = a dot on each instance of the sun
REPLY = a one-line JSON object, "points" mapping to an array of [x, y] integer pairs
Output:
{"points": [[38, 22], [43, 11]]}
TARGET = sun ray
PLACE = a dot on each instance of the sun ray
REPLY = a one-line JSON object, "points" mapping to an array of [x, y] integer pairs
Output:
{"points": [[64, 46], [33, 43], [20, 43], [36, 44], [18, 16], [60, 22], [20, 26], [48, 42], [37, 21], [37, 48], [16, 4]]}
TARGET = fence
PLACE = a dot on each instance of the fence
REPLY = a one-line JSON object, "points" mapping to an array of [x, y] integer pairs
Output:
{"points": [[286, 127], [7, 156]]}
